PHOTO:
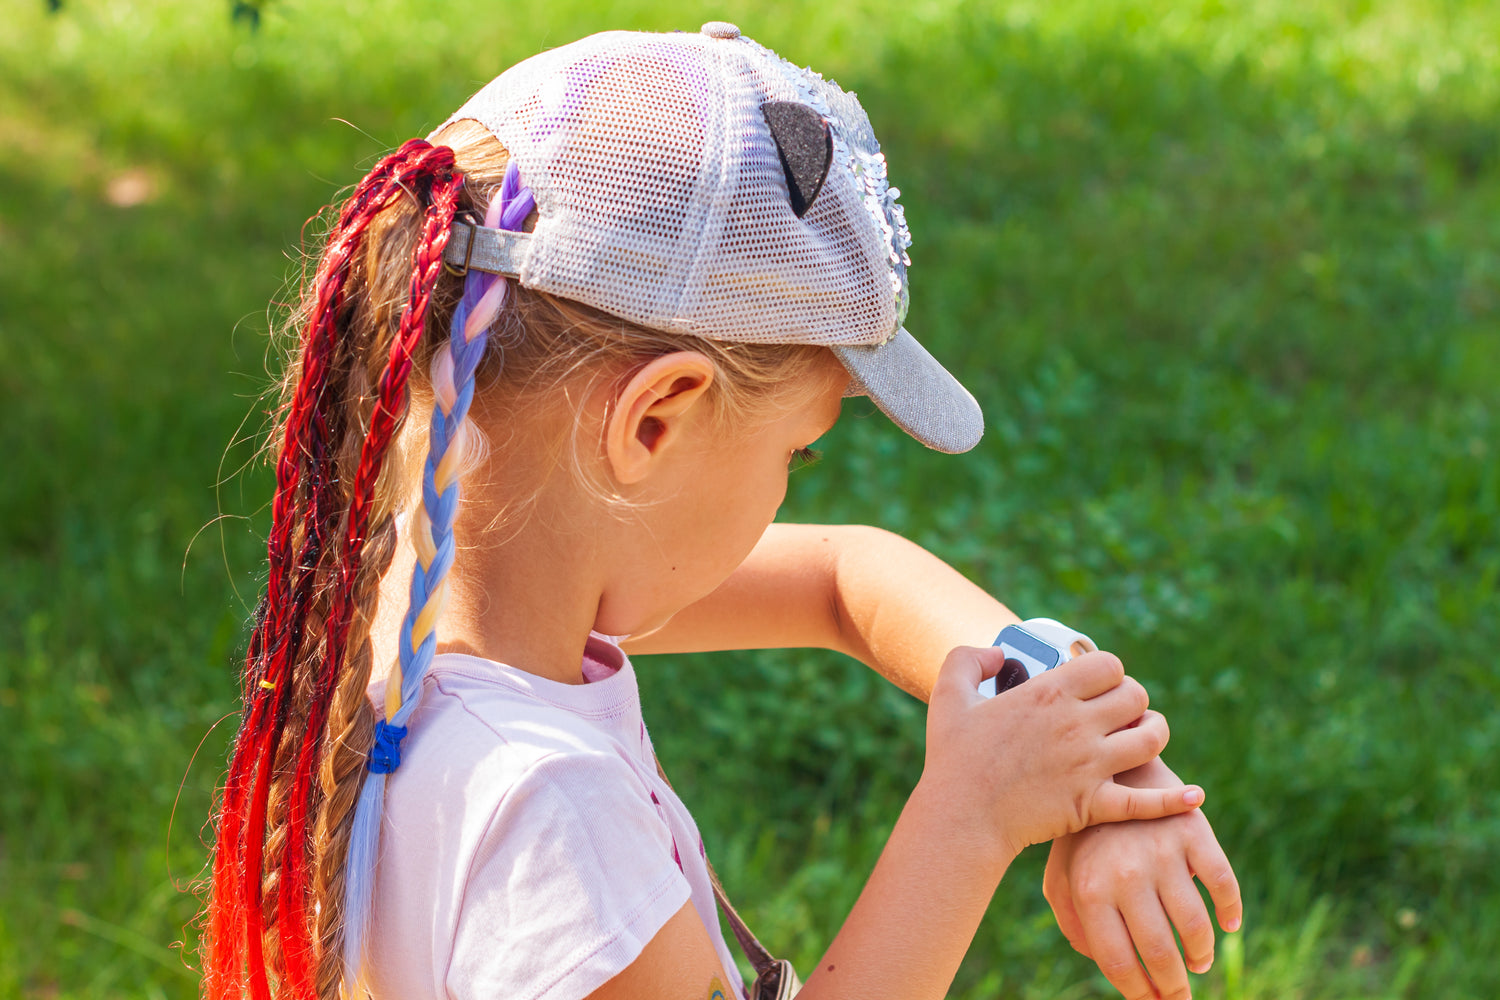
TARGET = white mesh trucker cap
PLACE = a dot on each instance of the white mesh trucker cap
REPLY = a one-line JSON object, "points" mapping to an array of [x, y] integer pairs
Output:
{"points": [[701, 184]]}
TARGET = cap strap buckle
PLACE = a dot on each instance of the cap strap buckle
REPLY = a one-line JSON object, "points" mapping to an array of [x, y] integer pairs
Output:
{"points": [[478, 248], [450, 259]]}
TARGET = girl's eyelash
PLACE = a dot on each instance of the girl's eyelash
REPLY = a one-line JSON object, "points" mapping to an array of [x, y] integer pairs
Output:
{"points": [[806, 456]]}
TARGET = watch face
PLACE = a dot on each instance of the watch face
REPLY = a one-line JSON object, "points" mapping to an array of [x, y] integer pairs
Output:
{"points": [[1035, 655], [1025, 657]]}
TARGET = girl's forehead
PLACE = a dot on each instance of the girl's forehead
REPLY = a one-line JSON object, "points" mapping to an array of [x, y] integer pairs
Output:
{"points": [[822, 407], [807, 411]]}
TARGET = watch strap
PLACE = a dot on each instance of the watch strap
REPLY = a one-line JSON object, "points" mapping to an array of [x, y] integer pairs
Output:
{"points": [[1055, 633]]}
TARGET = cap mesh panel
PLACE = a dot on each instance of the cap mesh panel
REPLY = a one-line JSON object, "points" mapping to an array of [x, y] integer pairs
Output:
{"points": [[661, 196]]}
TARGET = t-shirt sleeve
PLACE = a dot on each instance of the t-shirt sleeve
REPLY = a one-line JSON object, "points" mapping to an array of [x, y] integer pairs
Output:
{"points": [[572, 877]]}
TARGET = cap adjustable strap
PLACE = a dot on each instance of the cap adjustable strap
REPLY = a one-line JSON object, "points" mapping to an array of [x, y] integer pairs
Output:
{"points": [[477, 248]]}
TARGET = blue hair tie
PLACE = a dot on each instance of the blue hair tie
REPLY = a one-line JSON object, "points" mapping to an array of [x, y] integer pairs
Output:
{"points": [[385, 755]]}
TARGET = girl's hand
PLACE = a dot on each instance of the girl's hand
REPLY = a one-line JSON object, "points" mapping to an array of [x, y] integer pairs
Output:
{"points": [[1037, 762], [1118, 891]]}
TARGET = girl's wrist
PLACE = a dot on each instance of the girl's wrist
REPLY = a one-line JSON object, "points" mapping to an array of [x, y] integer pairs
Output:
{"points": [[944, 809]]}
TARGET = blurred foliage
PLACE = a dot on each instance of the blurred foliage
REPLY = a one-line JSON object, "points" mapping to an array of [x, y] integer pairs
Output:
{"points": [[1225, 278], [243, 11]]}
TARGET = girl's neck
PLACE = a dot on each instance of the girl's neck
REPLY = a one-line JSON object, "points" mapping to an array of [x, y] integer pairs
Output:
{"points": [[529, 601]]}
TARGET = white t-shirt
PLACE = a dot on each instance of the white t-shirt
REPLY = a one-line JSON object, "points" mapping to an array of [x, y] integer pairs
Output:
{"points": [[529, 849]]}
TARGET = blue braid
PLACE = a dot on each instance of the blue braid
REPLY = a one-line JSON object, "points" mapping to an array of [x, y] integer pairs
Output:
{"points": [[512, 205]]}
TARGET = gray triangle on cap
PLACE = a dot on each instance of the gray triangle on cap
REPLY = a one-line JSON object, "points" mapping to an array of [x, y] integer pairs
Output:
{"points": [[917, 393]]}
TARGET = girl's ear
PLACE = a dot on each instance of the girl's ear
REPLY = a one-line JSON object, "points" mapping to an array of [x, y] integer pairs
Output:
{"points": [[651, 412]]}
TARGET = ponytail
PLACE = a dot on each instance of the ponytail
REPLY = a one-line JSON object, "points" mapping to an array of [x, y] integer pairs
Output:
{"points": [[321, 535]]}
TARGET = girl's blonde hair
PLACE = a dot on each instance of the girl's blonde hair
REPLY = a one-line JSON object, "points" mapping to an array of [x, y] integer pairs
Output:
{"points": [[369, 321]]}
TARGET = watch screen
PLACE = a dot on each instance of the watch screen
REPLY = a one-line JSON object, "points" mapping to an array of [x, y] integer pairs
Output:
{"points": [[1023, 652], [1036, 655]]}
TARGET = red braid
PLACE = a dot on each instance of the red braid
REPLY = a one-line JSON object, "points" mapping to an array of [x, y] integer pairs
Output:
{"points": [[308, 502], [389, 408], [270, 653]]}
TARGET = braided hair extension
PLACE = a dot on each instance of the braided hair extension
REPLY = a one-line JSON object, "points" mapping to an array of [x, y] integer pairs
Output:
{"points": [[453, 380], [346, 754], [273, 646], [283, 678], [389, 410]]}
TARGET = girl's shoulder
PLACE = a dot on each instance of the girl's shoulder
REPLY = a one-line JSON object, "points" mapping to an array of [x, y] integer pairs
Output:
{"points": [[491, 748], [527, 812], [478, 715]]}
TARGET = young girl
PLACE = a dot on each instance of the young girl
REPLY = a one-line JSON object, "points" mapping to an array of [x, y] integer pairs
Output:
{"points": [[554, 365]]}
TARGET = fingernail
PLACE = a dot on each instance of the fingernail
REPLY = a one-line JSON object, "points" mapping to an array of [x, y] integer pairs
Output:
{"points": [[1234, 925], [1193, 796], [1202, 967]]}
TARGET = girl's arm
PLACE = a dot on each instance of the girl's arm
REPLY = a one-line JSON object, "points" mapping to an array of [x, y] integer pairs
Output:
{"points": [[960, 829], [1117, 890], [905, 939], [881, 599]]}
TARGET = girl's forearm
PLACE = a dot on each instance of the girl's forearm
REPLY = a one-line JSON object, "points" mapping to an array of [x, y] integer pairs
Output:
{"points": [[860, 590], [900, 609], [918, 912]]}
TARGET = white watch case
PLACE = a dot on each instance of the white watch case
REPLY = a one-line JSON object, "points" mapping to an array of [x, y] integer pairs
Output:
{"points": [[1033, 647]]}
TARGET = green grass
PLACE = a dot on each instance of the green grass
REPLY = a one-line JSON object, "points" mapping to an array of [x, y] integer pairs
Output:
{"points": [[1226, 279]]}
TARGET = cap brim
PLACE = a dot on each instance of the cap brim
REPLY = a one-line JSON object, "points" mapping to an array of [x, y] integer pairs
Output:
{"points": [[915, 391]]}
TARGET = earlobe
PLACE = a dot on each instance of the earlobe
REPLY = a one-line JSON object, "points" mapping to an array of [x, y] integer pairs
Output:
{"points": [[652, 410]]}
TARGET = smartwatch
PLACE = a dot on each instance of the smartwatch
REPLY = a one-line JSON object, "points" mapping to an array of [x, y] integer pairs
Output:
{"points": [[1032, 647]]}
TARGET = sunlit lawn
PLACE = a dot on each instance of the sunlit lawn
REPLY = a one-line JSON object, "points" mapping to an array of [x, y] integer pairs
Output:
{"points": [[1226, 279]]}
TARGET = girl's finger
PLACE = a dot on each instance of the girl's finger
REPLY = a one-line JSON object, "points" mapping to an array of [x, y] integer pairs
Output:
{"points": [[1090, 675], [1059, 894], [1121, 706], [1184, 907], [1115, 954], [1129, 748], [1114, 803], [1207, 860], [1151, 933], [964, 668]]}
